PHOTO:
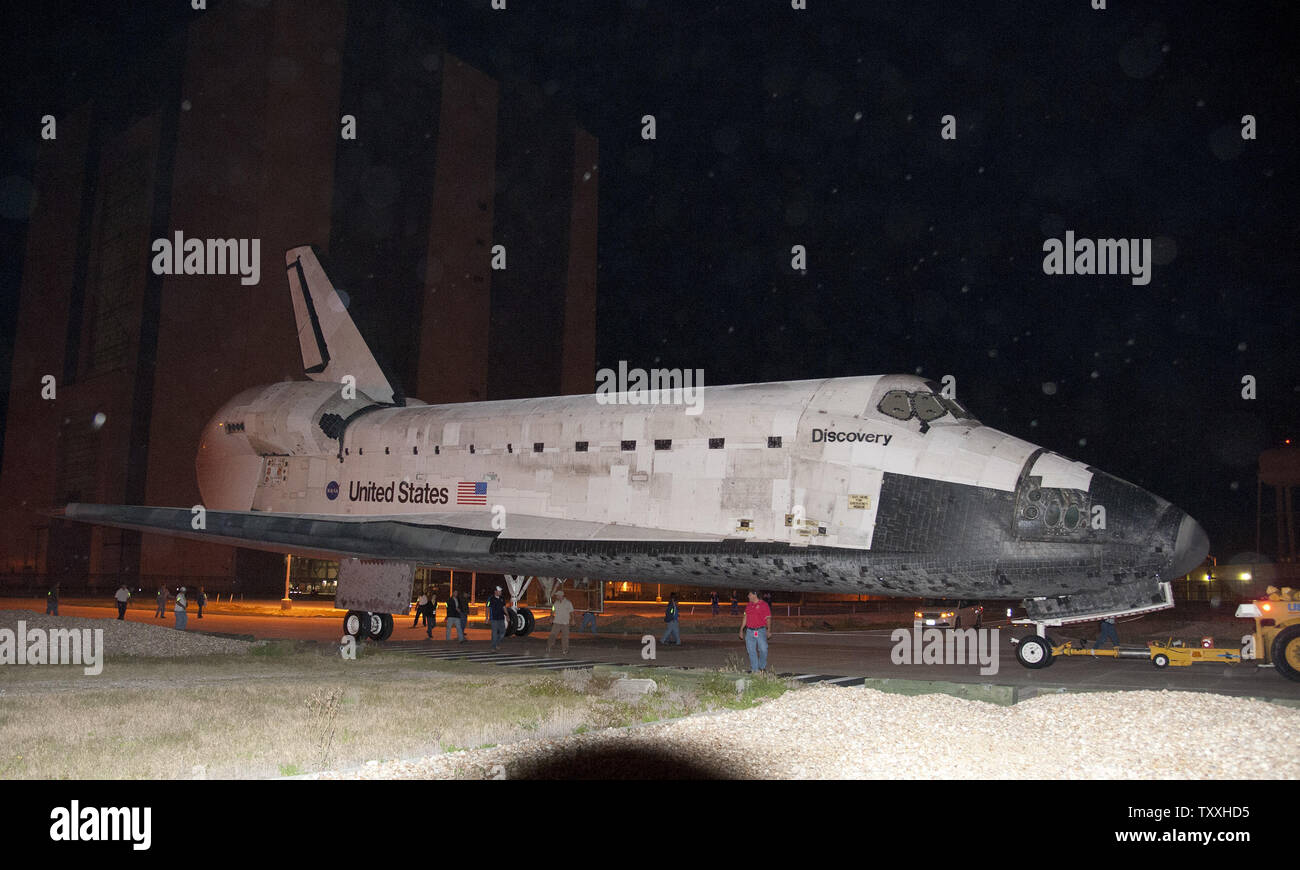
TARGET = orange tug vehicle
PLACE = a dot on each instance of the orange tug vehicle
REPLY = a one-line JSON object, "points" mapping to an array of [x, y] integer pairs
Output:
{"points": [[1275, 642]]}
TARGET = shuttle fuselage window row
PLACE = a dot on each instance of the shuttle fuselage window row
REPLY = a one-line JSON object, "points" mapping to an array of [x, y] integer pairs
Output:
{"points": [[773, 441]]}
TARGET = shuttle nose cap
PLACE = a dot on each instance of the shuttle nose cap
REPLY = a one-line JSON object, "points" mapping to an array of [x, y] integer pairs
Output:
{"points": [[1190, 549]]}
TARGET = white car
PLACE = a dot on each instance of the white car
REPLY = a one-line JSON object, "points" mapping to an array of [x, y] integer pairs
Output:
{"points": [[947, 613]]}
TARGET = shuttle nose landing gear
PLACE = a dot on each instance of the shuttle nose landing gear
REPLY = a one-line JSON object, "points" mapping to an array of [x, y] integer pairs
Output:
{"points": [[519, 620]]}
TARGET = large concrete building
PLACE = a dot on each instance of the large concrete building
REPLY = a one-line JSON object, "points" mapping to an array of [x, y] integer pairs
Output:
{"points": [[236, 128]]}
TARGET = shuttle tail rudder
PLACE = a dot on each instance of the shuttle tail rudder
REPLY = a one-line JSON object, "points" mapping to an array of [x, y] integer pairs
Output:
{"points": [[332, 348]]}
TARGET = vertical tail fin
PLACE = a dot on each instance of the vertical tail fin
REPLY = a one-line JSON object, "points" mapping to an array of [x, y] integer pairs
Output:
{"points": [[332, 348]]}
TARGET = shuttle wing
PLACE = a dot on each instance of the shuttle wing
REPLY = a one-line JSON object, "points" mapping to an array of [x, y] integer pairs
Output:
{"points": [[460, 540], [301, 534]]}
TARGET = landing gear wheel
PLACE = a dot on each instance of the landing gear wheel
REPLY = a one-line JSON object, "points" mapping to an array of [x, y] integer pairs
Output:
{"points": [[375, 625], [1052, 643], [386, 625], [528, 622], [1285, 653], [357, 624], [513, 622], [957, 623], [1160, 660], [1033, 652]]}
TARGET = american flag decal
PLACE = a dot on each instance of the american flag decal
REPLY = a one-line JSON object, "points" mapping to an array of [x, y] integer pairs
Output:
{"points": [[471, 493]]}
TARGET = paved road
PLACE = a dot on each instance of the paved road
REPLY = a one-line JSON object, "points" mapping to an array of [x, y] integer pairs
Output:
{"points": [[865, 652]]}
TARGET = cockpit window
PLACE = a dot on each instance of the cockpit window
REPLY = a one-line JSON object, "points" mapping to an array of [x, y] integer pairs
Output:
{"points": [[927, 407], [924, 405], [896, 404]]}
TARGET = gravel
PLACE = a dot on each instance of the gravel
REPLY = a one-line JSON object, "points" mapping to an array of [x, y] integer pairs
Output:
{"points": [[126, 638], [857, 733]]}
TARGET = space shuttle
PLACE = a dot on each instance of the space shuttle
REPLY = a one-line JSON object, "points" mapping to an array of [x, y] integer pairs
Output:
{"points": [[879, 485]]}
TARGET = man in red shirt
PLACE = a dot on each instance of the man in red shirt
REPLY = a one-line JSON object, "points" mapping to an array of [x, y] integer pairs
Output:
{"points": [[754, 631]]}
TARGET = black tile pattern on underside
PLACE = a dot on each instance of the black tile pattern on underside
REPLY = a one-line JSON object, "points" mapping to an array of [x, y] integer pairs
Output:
{"points": [[919, 515]]}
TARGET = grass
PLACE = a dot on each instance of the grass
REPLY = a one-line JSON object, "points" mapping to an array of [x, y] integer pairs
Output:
{"points": [[293, 708], [278, 649], [720, 689]]}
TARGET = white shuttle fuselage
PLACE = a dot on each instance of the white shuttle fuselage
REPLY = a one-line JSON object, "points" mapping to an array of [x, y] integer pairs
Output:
{"points": [[874, 485]]}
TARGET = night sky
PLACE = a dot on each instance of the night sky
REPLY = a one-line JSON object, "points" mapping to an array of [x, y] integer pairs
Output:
{"points": [[778, 127]]}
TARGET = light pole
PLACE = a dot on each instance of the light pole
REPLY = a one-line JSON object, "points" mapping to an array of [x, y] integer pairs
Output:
{"points": [[285, 602]]}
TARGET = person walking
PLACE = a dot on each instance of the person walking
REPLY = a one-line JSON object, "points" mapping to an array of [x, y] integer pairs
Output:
{"points": [[52, 601], [201, 599], [1106, 632], [713, 600], [561, 614], [735, 605], [431, 612], [754, 631], [162, 602], [122, 596], [181, 604], [453, 616], [420, 604], [462, 605], [497, 618], [671, 616]]}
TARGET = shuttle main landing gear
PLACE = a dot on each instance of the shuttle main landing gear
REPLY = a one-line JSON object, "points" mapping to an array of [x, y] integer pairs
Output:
{"points": [[362, 624]]}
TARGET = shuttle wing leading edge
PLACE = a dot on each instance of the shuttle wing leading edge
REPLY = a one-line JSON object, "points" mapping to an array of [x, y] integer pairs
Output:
{"points": [[300, 534]]}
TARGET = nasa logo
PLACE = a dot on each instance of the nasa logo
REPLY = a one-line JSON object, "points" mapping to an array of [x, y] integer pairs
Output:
{"points": [[332, 490]]}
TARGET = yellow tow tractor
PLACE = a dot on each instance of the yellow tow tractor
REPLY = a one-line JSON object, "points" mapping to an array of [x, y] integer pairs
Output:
{"points": [[1276, 640], [1161, 653]]}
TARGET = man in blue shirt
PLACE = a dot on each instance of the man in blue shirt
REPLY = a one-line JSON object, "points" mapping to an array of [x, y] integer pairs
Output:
{"points": [[497, 617]]}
